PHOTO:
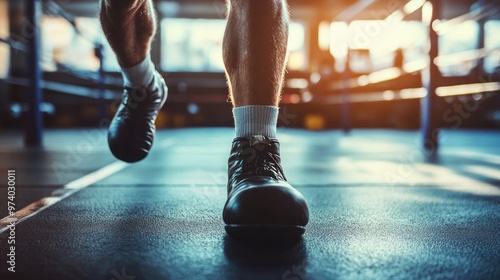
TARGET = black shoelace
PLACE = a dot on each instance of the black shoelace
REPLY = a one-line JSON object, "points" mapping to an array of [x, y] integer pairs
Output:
{"points": [[260, 160]]}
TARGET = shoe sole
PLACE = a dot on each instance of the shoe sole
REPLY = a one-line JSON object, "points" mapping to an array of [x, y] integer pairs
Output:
{"points": [[271, 233]]}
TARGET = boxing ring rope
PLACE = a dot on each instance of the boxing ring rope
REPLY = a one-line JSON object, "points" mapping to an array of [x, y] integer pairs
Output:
{"points": [[33, 81], [346, 82], [412, 67], [33, 122], [430, 91]]}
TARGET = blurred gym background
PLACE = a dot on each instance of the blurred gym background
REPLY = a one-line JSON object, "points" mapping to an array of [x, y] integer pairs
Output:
{"points": [[368, 84], [352, 64]]}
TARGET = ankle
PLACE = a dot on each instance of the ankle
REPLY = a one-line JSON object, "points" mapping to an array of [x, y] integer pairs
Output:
{"points": [[256, 120], [140, 75]]}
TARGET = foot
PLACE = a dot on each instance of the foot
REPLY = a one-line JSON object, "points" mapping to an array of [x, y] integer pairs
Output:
{"points": [[261, 203], [132, 130]]}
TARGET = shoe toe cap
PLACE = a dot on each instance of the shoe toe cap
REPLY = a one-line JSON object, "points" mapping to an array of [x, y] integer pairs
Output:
{"points": [[129, 148], [273, 203]]}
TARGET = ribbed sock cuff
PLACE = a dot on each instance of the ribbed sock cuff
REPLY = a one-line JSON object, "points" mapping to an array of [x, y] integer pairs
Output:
{"points": [[139, 75], [256, 120]]}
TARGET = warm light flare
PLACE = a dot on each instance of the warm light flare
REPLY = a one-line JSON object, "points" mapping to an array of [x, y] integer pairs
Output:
{"points": [[467, 89], [415, 66], [297, 83], [384, 75], [389, 95], [412, 93]]}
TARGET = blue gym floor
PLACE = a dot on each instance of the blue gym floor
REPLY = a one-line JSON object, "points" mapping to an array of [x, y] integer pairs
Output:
{"points": [[380, 208]]}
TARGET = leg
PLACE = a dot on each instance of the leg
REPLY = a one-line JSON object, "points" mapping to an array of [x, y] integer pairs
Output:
{"points": [[254, 51], [261, 203], [129, 26]]}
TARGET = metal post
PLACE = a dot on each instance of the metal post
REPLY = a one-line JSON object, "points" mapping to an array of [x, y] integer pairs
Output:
{"points": [[430, 113], [481, 45], [33, 117]]}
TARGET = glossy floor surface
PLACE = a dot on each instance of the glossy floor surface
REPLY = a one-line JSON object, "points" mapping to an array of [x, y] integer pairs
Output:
{"points": [[380, 208]]}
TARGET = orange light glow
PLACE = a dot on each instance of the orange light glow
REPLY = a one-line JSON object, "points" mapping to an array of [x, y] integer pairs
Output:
{"points": [[296, 60], [294, 98]]}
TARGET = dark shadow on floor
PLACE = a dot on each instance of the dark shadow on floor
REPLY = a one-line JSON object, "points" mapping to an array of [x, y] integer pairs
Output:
{"points": [[276, 260]]}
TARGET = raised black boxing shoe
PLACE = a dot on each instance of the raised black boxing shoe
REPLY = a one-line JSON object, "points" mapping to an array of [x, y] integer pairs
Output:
{"points": [[132, 130], [261, 204]]}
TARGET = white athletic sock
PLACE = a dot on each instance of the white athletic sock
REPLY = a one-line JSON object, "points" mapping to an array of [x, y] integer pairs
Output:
{"points": [[256, 120], [139, 75]]}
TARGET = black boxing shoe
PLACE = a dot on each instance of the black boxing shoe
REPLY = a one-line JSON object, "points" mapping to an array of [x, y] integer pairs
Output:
{"points": [[261, 203], [132, 130]]}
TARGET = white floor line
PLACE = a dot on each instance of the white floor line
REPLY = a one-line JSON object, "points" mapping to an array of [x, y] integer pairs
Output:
{"points": [[68, 190]]}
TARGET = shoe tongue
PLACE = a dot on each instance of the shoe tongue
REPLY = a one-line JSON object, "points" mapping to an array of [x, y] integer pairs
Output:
{"points": [[257, 139]]}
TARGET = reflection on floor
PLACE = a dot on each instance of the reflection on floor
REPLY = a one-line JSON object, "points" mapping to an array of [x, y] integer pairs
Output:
{"points": [[380, 208]]}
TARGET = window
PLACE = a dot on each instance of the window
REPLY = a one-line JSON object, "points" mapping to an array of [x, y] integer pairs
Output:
{"points": [[61, 44], [373, 43], [492, 43], [195, 45], [297, 58], [339, 38], [456, 44], [192, 45]]}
